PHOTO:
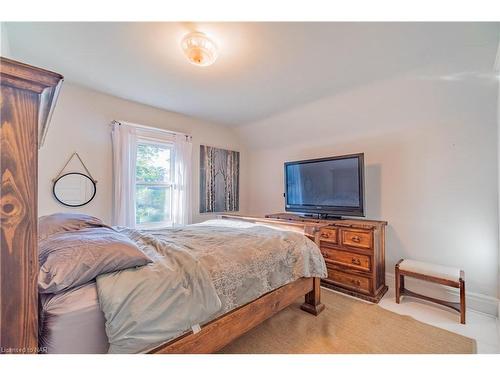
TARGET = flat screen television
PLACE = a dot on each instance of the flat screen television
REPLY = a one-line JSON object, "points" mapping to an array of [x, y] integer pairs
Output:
{"points": [[332, 186]]}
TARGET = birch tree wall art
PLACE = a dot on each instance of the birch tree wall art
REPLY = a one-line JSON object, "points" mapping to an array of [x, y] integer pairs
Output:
{"points": [[219, 179]]}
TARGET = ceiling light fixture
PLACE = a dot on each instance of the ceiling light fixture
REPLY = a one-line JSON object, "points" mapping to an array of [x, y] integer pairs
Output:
{"points": [[199, 49]]}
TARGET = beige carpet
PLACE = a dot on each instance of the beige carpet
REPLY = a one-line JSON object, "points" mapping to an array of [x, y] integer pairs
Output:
{"points": [[347, 326]]}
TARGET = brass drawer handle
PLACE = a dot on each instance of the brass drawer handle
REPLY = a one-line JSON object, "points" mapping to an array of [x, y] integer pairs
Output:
{"points": [[324, 235], [356, 261], [325, 255], [356, 239]]}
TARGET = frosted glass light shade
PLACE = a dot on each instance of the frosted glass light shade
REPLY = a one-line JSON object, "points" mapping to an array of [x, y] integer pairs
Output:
{"points": [[199, 49]]}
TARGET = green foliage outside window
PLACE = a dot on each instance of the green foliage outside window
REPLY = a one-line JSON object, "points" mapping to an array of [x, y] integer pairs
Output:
{"points": [[152, 167], [147, 168]]}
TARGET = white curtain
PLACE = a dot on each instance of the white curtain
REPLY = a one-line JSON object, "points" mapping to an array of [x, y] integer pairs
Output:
{"points": [[181, 197], [124, 139]]}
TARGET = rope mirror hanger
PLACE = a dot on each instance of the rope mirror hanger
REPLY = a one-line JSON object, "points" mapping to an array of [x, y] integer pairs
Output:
{"points": [[74, 189]]}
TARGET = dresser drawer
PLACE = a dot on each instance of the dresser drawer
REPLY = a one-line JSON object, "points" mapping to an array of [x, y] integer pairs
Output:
{"points": [[328, 235], [350, 281], [348, 259], [357, 238]]}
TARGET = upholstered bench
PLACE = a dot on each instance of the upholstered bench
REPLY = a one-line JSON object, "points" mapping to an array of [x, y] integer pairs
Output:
{"points": [[443, 275]]}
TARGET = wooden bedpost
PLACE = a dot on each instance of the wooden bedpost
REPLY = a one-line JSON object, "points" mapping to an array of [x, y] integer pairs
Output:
{"points": [[312, 303], [26, 103]]}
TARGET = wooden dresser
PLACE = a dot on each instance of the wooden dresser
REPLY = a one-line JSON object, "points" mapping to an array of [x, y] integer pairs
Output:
{"points": [[354, 252], [27, 98]]}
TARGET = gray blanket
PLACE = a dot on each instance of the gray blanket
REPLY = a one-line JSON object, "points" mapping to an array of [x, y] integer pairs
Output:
{"points": [[198, 273]]}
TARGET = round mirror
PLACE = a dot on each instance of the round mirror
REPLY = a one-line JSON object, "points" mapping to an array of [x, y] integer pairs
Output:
{"points": [[74, 189]]}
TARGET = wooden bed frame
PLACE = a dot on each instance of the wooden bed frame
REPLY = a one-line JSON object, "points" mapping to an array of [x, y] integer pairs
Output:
{"points": [[221, 331], [28, 95]]}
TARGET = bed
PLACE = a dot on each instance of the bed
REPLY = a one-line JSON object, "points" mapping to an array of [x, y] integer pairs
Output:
{"points": [[239, 274]]}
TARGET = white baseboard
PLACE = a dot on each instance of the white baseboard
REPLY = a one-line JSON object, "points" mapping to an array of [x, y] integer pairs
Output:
{"points": [[475, 301], [498, 319]]}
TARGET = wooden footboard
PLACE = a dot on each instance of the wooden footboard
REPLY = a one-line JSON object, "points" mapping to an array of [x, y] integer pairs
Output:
{"points": [[221, 331]]}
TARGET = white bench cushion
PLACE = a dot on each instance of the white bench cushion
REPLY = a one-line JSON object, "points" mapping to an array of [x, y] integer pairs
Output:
{"points": [[435, 270]]}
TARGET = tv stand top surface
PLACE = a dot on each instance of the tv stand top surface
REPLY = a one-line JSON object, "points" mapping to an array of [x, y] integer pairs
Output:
{"points": [[310, 225], [336, 221]]}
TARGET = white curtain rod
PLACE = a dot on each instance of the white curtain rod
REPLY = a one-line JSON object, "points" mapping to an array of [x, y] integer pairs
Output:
{"points": [[151, 128]]}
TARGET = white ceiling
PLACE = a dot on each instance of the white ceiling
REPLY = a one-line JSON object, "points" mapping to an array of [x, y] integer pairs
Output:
{"points": [[262, 69]]}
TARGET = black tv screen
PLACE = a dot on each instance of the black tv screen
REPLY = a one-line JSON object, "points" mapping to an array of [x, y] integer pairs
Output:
{"points": [[328, 186]]}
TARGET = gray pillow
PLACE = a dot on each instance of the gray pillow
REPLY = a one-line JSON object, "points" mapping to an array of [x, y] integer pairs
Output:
{"points": [[62, 222], [70, 259]]}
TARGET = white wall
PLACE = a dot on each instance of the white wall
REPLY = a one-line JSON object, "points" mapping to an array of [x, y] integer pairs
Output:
{"points": [[431, 165], [497, 72], [4, 41], [80, 123]]}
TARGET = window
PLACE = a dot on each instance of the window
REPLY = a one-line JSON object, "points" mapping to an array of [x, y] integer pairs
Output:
{"points": [[151, 176], [154, 183]]}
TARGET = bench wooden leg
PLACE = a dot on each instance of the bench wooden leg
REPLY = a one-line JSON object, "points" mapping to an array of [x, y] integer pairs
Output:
{"points": [[462, 301], [398, 295], [399, 282]]}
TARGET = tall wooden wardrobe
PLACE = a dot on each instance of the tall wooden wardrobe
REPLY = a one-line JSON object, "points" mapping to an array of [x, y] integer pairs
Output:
{"points": [[28, 95]]}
